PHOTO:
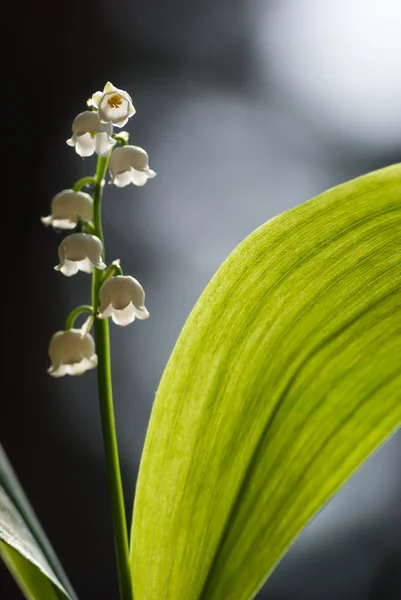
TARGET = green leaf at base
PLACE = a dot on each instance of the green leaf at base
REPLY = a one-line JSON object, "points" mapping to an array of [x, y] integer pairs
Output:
{"points": [[32, 582], [285, 378], [21, 531]]}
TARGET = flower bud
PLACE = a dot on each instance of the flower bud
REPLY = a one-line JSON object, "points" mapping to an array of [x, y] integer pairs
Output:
{"points": [[122, 298], [80, 252], [130, 164], [114, 105], [72, 352], [90, 135], [67, 207]]}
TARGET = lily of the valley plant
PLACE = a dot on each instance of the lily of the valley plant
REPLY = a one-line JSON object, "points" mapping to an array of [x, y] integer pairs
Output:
{"points": [[74, 350], [285, 378]]}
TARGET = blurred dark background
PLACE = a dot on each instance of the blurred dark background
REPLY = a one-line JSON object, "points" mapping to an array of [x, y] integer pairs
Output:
{"points": [[246, 108]]}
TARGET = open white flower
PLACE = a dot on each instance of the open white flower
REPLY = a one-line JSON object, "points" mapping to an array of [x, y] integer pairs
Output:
{"points": [[90, 135], [80, 252], [72, 352], [67, 207], [122, 298], [130, 164], [114, 105]]}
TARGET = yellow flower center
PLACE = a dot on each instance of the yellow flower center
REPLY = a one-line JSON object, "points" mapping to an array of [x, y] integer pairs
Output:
{"points": [[114, 101]]}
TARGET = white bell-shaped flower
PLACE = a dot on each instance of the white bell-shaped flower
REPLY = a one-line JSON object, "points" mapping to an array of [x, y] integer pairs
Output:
{"points": [[130, 164], [67, 207], [122, 298], [90, 135], [114, 105], [72, 352], [80, 252]]}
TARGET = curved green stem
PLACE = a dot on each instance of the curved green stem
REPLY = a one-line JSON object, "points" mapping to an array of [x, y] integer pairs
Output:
{"points": [[74, 314], [81, 183], [106, 405], [121, 140], [113, 269]]}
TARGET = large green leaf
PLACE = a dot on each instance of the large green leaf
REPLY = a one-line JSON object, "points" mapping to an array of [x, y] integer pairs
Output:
{"points": [[285, 378], [34, 564]]}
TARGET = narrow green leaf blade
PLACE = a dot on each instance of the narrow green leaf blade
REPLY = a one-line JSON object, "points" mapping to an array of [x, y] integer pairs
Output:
{"points": [[285, 378], [32, 582], [21, 530]]}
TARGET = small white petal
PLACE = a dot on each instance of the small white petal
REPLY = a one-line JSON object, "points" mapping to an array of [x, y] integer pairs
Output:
{"points": [[106, 312], [95, 100], [109, 88], [72, 141], [124, 316], [141, 312], [103, 145], [63, 224], [68, 268], [138, 178], [122, 179], [100, 265], [115, 114], [47, 220], [74, 369], [105, 303], [120, 122], [85, 145], [85, 265], [123, 135]]}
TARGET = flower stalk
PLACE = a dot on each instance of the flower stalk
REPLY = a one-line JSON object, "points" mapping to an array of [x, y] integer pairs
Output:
{"points": [[83, 182], [74, 351], [74, 314], [105, 392]]}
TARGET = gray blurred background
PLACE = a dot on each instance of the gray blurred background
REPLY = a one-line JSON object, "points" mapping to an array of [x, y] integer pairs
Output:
{"points": [[246, 108]]}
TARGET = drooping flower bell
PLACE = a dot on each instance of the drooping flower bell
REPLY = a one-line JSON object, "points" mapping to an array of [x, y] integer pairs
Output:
{"points": [[90, 135], [67, 207], [80, 252], [123, 299], [114, 105], [130, 164], [72, 352]]}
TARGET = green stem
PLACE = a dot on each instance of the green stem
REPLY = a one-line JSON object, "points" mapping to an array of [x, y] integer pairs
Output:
{"points": [[78, 185], [74, 314], [113, 269], [106, 405], [121, 140]]}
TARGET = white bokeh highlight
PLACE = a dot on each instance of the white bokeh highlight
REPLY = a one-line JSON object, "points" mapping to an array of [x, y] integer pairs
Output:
{"points": [[338, 63]]}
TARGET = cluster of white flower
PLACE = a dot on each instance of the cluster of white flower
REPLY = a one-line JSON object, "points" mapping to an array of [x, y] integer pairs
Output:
{"points": [[92, 131], [72, 351]]}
